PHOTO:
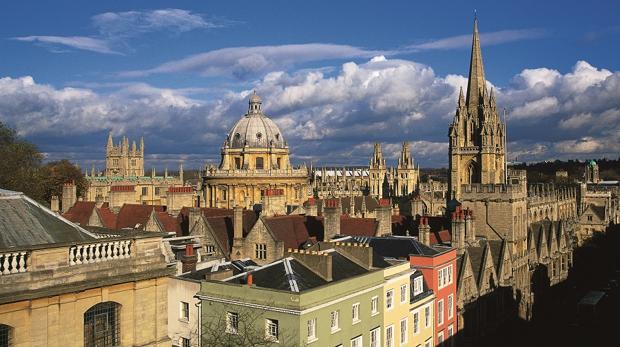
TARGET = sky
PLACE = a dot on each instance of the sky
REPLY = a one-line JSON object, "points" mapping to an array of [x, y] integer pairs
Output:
{"points": [[336, 76]]}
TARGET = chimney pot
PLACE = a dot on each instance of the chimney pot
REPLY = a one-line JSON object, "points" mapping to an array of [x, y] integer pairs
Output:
{"points": [[250, 279]]}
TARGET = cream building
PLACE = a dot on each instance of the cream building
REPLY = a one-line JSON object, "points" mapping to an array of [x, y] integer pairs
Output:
{"points": [[254, 157], [62, 285]]}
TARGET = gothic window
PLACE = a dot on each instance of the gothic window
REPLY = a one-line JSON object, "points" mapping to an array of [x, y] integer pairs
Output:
{"points": [[115, 162], [5, 335], [259, 163], [102, 325], [471, 175], [133, 162]]}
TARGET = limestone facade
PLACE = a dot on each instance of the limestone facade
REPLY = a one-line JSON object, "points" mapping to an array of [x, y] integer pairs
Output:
{"points": [[254, 157]]}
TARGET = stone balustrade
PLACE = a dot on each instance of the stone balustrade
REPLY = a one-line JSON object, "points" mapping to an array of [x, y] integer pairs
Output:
{"points": [[13, 262], [98, 252]]}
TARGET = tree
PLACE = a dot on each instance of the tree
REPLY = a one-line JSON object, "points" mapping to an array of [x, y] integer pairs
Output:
{"points": [[55, 174], [19, 164]]}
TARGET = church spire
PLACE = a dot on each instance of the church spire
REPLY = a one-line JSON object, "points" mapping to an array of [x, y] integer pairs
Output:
{"points": [[476, 84]]}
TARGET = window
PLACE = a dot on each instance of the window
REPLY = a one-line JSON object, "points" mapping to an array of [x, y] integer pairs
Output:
{"points": [[5, 336], [440, 338], [102, 325], [271, 329], [450, 308], [237, 163], [589, 218], [312, 330], [403, 293], [445, 276], [157, 190], [209, 249], [261, 251], [185, 342], [375, 337], [133, 162], [403, 331], [374, 305], [389, 298], [357, 342], [427, 316], [428, 342], [278, 163], [115, 162], [184, 312], [440, 312], [389, 336], [259, 163], [335, 320], [232, 322], [416, 322], [224, 191], [418, 286], [450, 333], [355, 312], [145, 191]]}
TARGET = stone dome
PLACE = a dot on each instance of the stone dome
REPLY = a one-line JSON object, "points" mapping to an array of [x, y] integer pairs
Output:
{"points": [[255, 129]]}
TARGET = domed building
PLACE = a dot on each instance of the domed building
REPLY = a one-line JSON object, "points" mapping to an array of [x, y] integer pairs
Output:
{"points": [[254, 158]]}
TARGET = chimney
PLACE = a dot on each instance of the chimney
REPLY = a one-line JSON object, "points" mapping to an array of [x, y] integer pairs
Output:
{"points": [[383, 215], [469, 226], [250, 279], [331, 213], [319, 262], [311, 208], [237, 247], [55, 204], [274, 202], [360, 254], [194, 217], [417, 207], [189, 259], [69, 196], [424, 231]]}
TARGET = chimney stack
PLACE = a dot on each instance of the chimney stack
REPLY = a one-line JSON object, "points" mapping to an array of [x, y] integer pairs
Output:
{"points": [[469, 226], [311, 208], [319, 262], [331, 213], [189, 259], [274, 202], [424, 231], [69, 196], [383, 215], [55, 204], [237, 248]]}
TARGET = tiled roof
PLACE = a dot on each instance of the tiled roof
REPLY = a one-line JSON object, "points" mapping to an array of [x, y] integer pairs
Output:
{"points": [[291, 230], [108, 217], [358, 226], [222, 226], [170, 223], [131, 215], [80, 212]]}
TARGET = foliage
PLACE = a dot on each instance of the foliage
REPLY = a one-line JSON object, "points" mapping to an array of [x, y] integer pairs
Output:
{"points": [[21, 169], [609, 169]]}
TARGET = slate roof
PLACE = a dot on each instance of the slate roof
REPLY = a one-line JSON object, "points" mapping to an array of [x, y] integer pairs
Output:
{"points": [[236, 266], [298, 278], [475, 258], [25, 223], [496, 252], [397, 247]]}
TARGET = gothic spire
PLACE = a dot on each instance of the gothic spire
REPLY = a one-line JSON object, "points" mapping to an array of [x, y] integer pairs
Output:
{"points": [[110, 143], [461, 98], [476, 84]]}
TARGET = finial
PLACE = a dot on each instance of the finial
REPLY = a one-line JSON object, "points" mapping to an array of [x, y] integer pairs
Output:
{"points": [[475, 14]]}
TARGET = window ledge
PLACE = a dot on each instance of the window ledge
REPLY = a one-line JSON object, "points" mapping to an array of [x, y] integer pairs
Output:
{"points": [[314, 339], [184, 320], [335, 330], [356, 321], [374, 314]]}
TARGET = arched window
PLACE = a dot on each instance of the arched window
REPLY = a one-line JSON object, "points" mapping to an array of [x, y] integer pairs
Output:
{"points": [[5, 335], [102, 325], [471, 175], [259, 163]]}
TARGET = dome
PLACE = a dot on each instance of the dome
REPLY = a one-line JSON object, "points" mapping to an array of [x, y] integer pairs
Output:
{"points": [[255, 129]]}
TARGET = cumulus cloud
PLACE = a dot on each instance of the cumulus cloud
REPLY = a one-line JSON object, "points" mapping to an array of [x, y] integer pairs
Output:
{"points": [[114, 28], [244, 61], [328, 116], [486, 39]]}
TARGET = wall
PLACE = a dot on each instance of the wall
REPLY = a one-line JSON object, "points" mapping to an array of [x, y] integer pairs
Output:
{"points": [[181, 289]]}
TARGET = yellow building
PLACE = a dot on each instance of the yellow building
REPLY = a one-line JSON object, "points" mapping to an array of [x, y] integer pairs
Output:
{"points": [[62, 285], [254, 157]]}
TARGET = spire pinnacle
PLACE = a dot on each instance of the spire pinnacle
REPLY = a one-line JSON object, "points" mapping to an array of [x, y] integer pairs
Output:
{"points": [[461, 98], [476, 84]]}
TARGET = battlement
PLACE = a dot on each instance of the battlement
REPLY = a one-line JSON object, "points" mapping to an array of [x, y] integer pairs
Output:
{"points": [[492, 189]]}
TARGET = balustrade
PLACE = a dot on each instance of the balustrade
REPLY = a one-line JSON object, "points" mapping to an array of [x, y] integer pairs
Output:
{"points": [[98, 252], [13, 262]]}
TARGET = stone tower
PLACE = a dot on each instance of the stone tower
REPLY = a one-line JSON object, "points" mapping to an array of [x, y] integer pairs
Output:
{"points": [[123, 160], [477, 152], [406, 175], [592, 172], [377, 172]]}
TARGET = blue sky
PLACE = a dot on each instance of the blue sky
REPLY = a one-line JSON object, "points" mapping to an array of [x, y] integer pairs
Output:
{"points": [[335, 76]]}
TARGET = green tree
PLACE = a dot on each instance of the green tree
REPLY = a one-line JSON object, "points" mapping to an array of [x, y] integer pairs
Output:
{"points": [[20, 162], [54, 174]]}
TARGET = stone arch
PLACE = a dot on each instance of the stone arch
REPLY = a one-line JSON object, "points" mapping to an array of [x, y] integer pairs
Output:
{"points": [[472, 173], [102, 325]]}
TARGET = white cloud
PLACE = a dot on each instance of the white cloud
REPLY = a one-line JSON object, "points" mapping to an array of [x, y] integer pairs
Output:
{"points": [[538, 108], [77, 42], [486, 39], [243, 61], [113, 28]]}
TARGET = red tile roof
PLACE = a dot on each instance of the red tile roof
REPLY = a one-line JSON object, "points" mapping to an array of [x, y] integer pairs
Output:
{"points": [[80, 212], [108, 217], [222, 226], [130, 215], [291, 230], [170, 223], [358, 226]]}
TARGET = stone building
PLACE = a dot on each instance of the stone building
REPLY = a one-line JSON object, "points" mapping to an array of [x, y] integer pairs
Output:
{"points": [[124, 180], [254, 157], [377, 180], [63, 285]]}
